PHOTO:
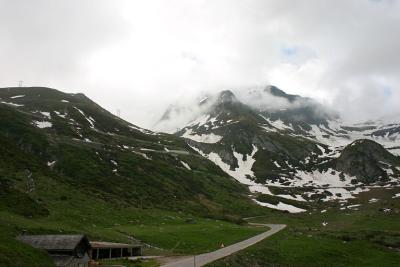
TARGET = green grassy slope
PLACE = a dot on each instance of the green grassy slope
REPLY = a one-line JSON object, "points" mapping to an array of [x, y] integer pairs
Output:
{"points": [[13, 253], [109, 157]]}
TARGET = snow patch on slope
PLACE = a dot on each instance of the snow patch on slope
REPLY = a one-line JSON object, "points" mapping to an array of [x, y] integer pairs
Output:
{"points": [[142, 130], [12, 104], [241, 173], [278, 124], [280, 206], [60, 115], [89, 119], [46, 114], [186, 165], [17, 96], [204, 138], [316, 178], [200, 121], [43, 124]]}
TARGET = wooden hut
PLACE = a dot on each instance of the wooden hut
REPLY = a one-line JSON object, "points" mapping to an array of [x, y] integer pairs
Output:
{"points": [[65, 250]]}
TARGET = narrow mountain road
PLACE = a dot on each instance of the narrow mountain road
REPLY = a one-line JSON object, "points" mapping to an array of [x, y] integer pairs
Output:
{"points": [[203, 259]]}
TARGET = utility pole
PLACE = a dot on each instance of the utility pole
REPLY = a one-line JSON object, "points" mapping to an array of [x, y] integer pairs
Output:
{"points": [[194, 260], [119, 113], [20, 83]]}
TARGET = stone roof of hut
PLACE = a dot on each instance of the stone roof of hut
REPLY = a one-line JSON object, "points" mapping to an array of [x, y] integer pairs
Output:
{"points": [[53, 242]]}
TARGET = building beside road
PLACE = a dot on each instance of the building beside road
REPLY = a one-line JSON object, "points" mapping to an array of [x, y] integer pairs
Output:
{"points": [[77, 250], [65, 250]]}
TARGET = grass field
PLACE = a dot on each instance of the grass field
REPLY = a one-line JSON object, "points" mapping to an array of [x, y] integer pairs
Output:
{"points": [[366, 235], [191, 236]]}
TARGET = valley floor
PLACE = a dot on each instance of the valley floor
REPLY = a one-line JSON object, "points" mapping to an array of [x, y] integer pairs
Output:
{"points": [[162, 233], [364, 231]]}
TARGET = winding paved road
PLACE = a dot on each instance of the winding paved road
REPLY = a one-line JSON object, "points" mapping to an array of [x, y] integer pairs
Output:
{"points": [[206, 258]]}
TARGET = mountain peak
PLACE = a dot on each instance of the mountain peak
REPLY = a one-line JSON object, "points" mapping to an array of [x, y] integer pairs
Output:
{"points": [[226, 96], [275, 91]]}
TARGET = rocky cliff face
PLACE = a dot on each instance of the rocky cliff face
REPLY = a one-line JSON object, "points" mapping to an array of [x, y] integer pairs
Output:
{"points": [[368, 161]]}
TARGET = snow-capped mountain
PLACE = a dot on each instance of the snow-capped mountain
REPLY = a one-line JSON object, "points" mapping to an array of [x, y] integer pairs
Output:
{"points": [[270, 138]]}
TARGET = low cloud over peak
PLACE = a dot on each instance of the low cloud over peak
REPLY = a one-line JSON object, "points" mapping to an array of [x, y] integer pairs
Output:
{"points": [[141, 56]]}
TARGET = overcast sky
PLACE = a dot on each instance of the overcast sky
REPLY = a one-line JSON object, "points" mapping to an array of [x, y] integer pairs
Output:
{"points": [[139, 56]]}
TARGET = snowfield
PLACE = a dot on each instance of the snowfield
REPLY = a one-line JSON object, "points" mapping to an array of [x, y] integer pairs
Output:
{"points": [[333, 134], [328, 183], [244, 171]]}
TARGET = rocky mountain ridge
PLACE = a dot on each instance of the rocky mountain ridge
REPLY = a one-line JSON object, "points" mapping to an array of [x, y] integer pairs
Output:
{"points": [[301, 145]]}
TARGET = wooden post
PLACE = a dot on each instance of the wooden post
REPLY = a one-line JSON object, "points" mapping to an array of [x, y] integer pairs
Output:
{"points": [[121, 252], [131, 251], [97, 253], [110, 253]]}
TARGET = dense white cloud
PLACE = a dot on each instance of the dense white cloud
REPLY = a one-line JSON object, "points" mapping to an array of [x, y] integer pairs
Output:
{"points": [[139, 56]]}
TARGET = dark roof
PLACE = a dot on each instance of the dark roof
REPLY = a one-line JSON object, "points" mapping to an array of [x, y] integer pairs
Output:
{"points": [[99, 244], [53, 242]]}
